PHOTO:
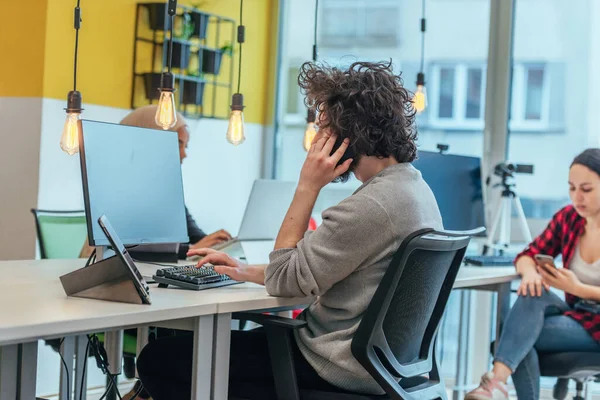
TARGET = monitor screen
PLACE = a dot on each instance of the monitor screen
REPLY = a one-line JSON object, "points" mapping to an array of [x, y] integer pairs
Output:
{"points": [[133, 176], [456, 183]]}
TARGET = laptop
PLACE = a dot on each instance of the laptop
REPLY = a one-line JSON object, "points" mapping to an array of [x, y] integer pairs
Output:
{"points": [[267, 205]]}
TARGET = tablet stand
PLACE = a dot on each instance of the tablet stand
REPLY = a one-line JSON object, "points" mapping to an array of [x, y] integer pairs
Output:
{"points": [[106, 279]]}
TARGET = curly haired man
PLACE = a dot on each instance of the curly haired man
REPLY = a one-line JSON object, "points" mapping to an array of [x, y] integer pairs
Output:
{"points": [[366, 127]]}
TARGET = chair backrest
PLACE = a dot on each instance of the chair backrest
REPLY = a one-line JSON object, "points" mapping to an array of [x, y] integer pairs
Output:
{"points": [[396, 336], [61, 234]]}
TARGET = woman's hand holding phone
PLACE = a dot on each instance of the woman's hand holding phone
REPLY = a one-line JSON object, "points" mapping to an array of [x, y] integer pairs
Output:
{"points": [[547, 263], [559, 278]]}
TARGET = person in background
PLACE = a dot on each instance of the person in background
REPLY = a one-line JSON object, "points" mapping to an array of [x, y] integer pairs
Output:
{"points": [[366, 127], [540, 321], [143, 117]]}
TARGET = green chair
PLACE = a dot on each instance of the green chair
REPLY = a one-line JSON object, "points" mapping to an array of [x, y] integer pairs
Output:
{"points": [[61, 234]]}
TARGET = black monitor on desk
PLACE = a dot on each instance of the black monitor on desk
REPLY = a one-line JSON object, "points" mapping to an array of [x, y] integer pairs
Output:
{"points": [[456, 183], [133, 176]]}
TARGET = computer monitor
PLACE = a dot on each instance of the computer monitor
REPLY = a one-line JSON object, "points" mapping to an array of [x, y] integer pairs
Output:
{"points": [[456, 183], [133, 176]]}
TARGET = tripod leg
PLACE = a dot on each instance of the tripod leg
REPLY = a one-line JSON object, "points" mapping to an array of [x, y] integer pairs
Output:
{"points": [[522, 219], [504, 241], [495, 225]]}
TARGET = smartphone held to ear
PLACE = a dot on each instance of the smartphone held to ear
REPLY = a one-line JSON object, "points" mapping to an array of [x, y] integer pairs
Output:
{"points": [[349, 153], [546, 262]]}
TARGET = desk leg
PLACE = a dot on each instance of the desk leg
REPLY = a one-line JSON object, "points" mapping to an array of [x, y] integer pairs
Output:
{"points": [[142, 340], [202, 357], [28, 370], [502, 308], [67, 349], [462, 356], [222, 344], [113, 343], [80, 361], [9, 363]]}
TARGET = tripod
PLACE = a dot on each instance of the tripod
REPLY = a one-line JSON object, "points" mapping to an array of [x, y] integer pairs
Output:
{"points": [[502, 219]]}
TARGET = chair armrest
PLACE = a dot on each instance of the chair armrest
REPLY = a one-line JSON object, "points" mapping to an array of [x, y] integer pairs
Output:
{"points": [[471, 232], [270, 320]]}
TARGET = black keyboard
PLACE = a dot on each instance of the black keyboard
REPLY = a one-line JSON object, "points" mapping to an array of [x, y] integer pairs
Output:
{"points": [[490, 261], [190, 277]]}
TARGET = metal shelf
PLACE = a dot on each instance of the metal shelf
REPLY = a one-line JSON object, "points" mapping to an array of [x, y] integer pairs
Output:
{"points": [[210, 52]]}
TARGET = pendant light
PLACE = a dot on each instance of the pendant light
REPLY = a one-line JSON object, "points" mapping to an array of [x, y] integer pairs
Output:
{"points": [[235, 129], [69, 140], [166, 113], [420, 97]]}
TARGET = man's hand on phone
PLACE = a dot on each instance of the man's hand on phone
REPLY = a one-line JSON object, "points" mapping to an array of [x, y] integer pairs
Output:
{"points": [[320, 166]]}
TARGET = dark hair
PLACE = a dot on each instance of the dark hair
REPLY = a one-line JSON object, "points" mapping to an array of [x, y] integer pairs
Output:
{"points": [[366, 103], [589, 158]]}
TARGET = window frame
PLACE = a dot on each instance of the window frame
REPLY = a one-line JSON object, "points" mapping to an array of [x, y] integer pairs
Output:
{"points": [[459, 121], [517, 121], [459, 118]]}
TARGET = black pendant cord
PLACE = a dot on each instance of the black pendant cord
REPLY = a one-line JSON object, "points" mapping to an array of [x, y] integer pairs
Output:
{"points": [[315, 32], [77, 24], [170, 44], [422, 36], [171, 11], [240, 41]]}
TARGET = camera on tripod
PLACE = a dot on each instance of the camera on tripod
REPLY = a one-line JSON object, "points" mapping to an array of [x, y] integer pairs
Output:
{"points": [[506, 169]]}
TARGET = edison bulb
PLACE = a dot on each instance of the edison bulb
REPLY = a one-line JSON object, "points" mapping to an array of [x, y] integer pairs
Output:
{"points": [[69, 141], [166, 114], [309, 135], [420, 99], [235, 131]]}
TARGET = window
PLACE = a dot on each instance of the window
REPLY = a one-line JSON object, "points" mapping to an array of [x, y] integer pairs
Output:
{"points": [[457, 96], [366, 23], [531, 98]]}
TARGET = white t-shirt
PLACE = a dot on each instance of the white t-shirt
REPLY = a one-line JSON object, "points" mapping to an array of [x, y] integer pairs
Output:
{"points": [[587, 273]]}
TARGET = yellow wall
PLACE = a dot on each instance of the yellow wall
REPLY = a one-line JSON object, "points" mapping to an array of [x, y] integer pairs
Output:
{"points": [[106, 52], [22, 48]]}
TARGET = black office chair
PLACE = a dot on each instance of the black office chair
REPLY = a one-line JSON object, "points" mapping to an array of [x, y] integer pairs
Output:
{"points": [[395, 339], [579, 366]]}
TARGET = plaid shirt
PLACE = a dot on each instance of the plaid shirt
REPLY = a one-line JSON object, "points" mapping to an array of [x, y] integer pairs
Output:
{"points": [[561, 237]]}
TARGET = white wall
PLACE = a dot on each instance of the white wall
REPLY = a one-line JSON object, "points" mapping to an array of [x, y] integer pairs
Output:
{"points": [[217, 180], [19, 157]]}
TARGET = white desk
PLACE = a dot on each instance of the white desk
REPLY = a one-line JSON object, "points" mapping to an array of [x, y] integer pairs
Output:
{"points": [[39, 309], [36, 307]]}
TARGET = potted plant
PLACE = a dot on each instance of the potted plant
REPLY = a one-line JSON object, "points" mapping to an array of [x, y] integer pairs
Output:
{"points": [[200, 21], [211, 59], [193, 92]]}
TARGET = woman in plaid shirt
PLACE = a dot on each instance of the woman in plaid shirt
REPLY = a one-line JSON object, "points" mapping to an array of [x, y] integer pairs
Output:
{"points": [[540, 321]]}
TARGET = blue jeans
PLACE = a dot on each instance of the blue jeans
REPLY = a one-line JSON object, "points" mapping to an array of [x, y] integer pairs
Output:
{"points": [[536, 324]]}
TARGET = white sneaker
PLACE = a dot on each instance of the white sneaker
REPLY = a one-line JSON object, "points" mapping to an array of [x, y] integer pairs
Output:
{"points": [[490, 388]]}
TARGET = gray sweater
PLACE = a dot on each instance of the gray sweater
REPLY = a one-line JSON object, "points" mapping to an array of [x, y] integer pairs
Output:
{"points": [[342, 263]]}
